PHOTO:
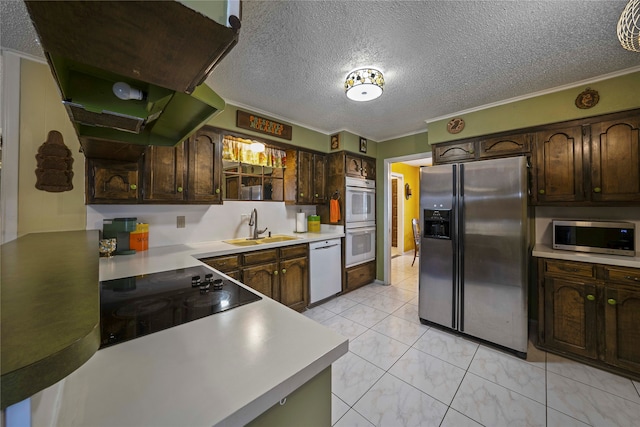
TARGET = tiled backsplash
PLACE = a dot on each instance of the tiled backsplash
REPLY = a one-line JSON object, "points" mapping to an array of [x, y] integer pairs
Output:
{"points": [[203, 222], [545, 215]]}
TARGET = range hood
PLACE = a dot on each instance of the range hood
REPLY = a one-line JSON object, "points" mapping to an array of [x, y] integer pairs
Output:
{"points": [[165, 49]]}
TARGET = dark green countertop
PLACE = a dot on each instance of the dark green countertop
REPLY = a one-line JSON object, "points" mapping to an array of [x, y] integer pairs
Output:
{"points": [[50, 309]]}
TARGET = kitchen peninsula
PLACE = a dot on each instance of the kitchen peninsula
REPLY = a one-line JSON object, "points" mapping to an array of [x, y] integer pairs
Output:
{"points": [[224, 369]]}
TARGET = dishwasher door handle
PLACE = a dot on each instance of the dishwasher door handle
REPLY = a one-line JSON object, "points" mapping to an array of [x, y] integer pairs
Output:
{"points": [[325, 247]]}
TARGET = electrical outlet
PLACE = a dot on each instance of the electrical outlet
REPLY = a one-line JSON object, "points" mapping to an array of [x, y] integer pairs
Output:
{"points": [[180, 222]]}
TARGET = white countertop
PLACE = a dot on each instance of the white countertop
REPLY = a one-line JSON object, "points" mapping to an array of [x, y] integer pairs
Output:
{"points": [[181, 256], [224, 369], [545, 251]]}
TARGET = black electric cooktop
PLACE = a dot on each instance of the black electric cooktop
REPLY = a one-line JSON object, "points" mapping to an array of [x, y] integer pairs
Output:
{"points": [[135, 306]]}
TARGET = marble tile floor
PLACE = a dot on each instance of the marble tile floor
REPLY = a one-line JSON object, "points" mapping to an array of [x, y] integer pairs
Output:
{"points": [[399, 372]]}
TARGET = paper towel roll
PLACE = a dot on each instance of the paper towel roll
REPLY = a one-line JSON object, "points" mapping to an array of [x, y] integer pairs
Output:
{"points": [[301, 222]]}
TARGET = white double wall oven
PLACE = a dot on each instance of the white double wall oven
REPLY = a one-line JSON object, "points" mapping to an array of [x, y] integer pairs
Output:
{"points": [[360, 218]]}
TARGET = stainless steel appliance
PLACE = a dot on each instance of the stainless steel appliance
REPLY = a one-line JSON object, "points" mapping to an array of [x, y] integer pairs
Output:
{"points": [[360, 221], [132, 307], [605, 237], [474, 250], [325, 269]]}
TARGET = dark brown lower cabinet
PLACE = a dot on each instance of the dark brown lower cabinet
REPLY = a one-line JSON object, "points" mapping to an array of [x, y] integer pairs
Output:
{"points": [[281, 273], [570, 316], [294, 286], [591, 312], [261, 277], [360, 275]]}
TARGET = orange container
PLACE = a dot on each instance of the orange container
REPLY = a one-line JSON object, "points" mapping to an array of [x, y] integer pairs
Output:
{"points": [[139, 239]]}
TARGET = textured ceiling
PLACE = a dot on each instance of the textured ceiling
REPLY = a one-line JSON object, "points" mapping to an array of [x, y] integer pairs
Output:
{"points": [[438, 57]]}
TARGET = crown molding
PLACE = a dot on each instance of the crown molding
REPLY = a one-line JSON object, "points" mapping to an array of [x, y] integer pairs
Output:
{"points": [[23, 55], [536, 94]]}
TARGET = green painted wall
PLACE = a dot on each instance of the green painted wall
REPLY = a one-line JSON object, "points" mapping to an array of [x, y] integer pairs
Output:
{"points": [[616, 94], [301, 136], [40, 112], [411, 207]]}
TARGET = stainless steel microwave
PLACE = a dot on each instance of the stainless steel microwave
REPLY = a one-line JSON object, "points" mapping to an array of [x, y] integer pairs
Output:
{"points": [[614, 238]]}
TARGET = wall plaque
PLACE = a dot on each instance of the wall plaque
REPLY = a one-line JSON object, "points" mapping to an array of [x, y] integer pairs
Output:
{"points": [[255, 123]]}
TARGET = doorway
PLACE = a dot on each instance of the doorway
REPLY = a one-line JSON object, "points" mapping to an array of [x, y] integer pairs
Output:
{"points": [[388, 251], [397, 215]]}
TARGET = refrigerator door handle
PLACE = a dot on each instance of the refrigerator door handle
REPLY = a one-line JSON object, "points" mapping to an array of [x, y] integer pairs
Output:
{"points": [[461, 252], [454, 244]]}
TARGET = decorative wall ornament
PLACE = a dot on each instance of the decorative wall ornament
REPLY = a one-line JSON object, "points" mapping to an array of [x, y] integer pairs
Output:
{"points": [[455, 125], [335, 141], [54, 171], [407, 191], [587, 99], [363, 145], [255, 123]]}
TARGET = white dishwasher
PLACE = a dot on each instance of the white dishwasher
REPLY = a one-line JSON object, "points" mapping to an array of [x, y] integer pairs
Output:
{"points": [[325, 268]]}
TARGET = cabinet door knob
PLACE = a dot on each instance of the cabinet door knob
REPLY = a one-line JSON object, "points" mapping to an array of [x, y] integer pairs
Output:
{"points": [[597, 190], [611, 301], [217, 191], [316, 195], [301, 194], [133, 186], [179, 189], [275, 273], [635, 279], [541, 191], [590, 297], [472, 151], [284, 270]]}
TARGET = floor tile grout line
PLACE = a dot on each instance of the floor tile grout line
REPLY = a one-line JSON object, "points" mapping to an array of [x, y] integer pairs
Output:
{"points": [[596, 387], [467, 370]]}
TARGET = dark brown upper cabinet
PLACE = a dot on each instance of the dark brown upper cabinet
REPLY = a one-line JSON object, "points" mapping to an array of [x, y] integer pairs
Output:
{"points": [[204, 153], [596, 162], [615, 160], [305, 177], [111, 181], [559, 162], [164, 174]]}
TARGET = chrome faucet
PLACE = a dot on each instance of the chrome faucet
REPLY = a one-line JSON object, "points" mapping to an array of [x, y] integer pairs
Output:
{"points": [[253, 222]]}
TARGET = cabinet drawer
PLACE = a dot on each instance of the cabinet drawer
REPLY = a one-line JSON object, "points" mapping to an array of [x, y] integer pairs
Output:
{"points": [[568, 268], [258, 257], [293, 251], [361, 275], [223, 263], [630, 276]]}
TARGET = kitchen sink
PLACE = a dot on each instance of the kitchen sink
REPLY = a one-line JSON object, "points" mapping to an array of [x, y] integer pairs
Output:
{"points": [[262, 240], [241, 242], [274, 239]]}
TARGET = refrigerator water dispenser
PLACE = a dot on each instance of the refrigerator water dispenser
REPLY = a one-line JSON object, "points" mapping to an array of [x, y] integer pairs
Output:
{"points": [[437, 224]]}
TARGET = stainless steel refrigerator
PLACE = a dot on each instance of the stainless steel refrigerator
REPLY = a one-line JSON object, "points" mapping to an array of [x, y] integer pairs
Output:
{"points": [[474, 250]]}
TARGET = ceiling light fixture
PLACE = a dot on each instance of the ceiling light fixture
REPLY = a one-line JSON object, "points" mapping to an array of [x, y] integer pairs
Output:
{"points": [[629, 26], [364, 84]]}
